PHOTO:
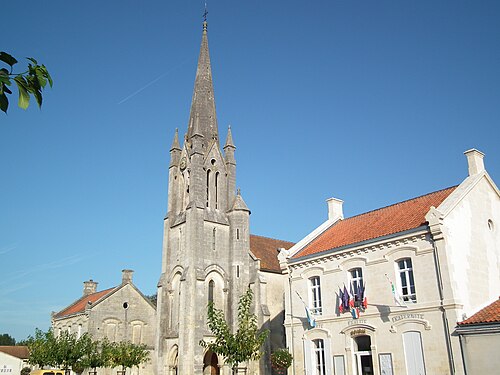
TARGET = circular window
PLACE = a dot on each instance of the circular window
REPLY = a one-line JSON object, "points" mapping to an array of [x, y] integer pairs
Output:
{"points": [[125, 305], [212, 161]]}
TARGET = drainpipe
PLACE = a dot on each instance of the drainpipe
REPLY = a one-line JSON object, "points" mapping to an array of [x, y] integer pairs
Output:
{"points": [[291, 316], [437, 235]]}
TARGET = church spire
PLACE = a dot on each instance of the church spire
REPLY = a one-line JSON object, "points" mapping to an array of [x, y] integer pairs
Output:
{"points": [[203, 103]]}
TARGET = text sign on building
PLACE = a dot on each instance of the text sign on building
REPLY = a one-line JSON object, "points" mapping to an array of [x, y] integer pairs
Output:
{"points": [[407, 316], [5, 369]]}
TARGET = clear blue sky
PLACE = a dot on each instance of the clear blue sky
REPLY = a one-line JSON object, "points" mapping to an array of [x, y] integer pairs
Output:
{"points": [[372, 102]]}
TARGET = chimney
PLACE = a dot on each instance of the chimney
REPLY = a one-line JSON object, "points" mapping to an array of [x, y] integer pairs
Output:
{"points": [[127, 276], [335, 209], [89, 287], [475, 161]]}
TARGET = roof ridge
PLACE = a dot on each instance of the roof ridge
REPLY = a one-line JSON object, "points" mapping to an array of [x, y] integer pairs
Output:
{"points": [[404, 201], [270, 238]]}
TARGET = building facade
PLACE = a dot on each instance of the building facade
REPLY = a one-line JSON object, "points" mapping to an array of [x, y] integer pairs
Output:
{"points": [[208, 252], [479, 338], [120, 313], [423, 265]]}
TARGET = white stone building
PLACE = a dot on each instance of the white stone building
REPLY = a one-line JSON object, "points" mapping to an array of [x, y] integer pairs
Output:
{"points": [[13, 359], [120, 313], [441, 251], [208, 252]]}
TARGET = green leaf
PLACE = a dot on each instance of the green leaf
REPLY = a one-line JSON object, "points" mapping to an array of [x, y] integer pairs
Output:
{"points": [[42, 81], [46, 72], [8, 59], [32, 60], [4, 102], [24, 96]]}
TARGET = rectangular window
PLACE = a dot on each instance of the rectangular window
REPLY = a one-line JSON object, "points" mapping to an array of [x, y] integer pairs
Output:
{"points": [[356, 280], [407, 281], [319, 357], [315, 295]]}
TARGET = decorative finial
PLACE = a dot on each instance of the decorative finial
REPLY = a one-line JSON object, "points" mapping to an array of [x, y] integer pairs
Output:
{"points": [[238, 191], [205, 16]]}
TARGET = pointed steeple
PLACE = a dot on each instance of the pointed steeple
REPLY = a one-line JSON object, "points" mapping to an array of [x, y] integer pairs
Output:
{"points": [[203, 103], [175, 142], [229, 138]]}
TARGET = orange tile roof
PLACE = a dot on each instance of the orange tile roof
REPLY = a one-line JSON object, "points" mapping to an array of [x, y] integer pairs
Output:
{"points": [[79, 305], [17, 351], [490, 314], [392, 219], [266, 249]]}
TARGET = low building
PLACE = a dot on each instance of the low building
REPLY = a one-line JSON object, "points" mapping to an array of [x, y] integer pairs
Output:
{"points": [[120, 313], [422, 265], [13, 359], [480, 340]]}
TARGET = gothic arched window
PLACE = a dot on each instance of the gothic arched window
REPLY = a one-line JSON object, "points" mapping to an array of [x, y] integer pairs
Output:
{"points": [[211, 287]]}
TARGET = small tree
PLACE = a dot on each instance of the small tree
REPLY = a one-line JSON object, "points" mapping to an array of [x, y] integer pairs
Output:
{"points": [[281, 359], [127, 355], [30, 82], [40, 348], [236, 347], [97, 354]]}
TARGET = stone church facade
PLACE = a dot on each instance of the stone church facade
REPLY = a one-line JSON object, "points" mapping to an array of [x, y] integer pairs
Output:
{"points": [[207, 246]]}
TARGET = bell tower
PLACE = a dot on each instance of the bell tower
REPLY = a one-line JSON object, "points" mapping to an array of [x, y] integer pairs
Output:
{"points": [[206, 241]]}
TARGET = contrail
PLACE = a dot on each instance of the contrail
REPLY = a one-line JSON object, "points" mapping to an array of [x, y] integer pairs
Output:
{"points": [[152, 82], [6, 249]]}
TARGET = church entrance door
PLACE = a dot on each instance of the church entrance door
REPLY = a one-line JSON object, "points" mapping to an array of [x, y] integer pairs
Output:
{"points": [[211, 364]]}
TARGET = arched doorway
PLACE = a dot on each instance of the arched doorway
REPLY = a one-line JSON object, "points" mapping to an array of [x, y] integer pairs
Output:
{"points": [[210, 364], [173, 361], [363, 355]]}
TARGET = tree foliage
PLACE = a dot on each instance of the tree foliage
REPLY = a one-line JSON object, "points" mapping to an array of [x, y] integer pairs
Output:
{"points": [[7, 340], [29, 83], [245, 343], [69, 352], [127, 355]]}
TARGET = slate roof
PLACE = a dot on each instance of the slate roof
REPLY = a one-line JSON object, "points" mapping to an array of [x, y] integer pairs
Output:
{"points": [[266, 249], [384, 221], [79, 305], [490, 314], [19, 351]]}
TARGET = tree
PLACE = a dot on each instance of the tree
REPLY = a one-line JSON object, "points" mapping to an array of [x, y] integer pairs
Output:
{"points": [[29, 82], [236, 347], [40, 348], [97, 354], [124, 354], [7, 340]]}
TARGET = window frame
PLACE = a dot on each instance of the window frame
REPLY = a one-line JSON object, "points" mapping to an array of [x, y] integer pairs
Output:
{"points": [[319, 355], [315, 302], [406, 280]]}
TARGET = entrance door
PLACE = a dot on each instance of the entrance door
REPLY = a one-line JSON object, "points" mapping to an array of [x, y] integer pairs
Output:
{"points": [[363, 355], [364, 363], [211, 364]]}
